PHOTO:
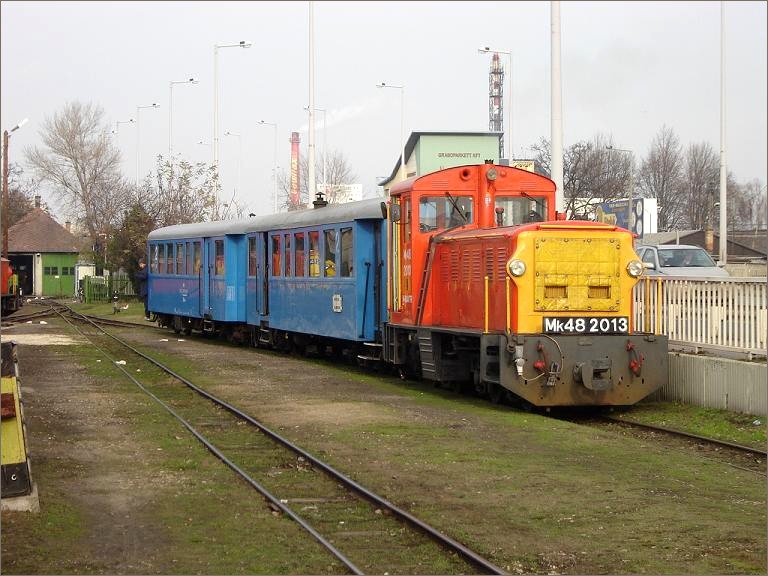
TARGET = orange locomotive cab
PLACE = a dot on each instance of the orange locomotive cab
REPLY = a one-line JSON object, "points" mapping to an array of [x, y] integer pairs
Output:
{"points": [[487, 288]]}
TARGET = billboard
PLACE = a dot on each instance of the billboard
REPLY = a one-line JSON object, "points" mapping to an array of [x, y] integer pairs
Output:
{"points": [[643, 216]]}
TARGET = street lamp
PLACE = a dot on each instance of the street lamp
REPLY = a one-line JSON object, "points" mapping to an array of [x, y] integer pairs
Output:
{"points": [[240, 155], [402, 122], [241, 44], [138, 139], [630, 211], [116, 131], [274, 157], [6, 197], [508, 53], [170, 112], [325, 148]]}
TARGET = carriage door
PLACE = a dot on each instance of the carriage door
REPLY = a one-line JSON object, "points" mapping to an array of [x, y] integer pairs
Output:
{"points": [[209, 259], [265, 258]]}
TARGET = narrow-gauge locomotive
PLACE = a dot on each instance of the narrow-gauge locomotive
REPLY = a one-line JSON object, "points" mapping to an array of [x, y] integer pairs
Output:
{"points": [[467, 277]]}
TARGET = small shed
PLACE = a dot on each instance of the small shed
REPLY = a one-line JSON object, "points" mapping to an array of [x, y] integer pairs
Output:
{"points": [[43, 254]]}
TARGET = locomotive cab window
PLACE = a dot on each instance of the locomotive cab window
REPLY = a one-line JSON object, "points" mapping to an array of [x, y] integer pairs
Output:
{"points": [[520, 210], [442, 212]]}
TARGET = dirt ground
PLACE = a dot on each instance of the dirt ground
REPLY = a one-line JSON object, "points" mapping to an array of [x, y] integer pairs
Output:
{"points": [[532, 494]]}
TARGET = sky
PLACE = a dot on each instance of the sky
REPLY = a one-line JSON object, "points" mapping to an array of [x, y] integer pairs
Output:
{"points": [[628, 68]]}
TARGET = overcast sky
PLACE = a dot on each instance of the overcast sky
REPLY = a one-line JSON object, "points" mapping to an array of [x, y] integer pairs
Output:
{"points": [[628, 69]]}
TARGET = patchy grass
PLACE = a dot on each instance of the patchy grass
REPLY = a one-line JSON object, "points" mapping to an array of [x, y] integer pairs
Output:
{"points": [[735, 427]]}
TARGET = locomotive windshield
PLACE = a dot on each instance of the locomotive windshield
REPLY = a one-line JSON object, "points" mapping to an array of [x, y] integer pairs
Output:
{"points": [[517, 210], [442, 212]]}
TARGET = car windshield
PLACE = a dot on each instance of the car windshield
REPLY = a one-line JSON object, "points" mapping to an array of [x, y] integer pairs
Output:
{"points": [[685, 257]]}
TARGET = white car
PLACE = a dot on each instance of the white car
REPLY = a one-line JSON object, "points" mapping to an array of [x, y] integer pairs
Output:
{"points": [[679, 260]]}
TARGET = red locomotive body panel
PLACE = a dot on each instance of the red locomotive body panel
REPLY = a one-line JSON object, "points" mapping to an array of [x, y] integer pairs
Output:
{"points": [[477, 198]]}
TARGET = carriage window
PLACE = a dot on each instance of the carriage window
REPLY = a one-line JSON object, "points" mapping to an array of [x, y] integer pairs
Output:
{"points": [[314, 253], [330, 253], [518, 210], [287, 254], [161, 259], [276, 268], [252, 256], [189, 258], [198, 258], [154, 260], [441, 212], [169, 260], [347, 257], [180, 258], [219, 271], [298, 243]]}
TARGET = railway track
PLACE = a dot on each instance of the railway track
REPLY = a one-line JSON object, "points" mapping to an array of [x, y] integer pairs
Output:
{"points": [[292, 481], [747, 458]]}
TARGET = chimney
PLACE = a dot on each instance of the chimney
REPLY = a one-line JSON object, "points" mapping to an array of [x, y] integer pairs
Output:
{"points": [[68, 226], [37, 201]]}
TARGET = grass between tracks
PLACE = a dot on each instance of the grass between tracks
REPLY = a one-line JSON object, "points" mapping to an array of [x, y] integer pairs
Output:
{"points": [[532, 493]]}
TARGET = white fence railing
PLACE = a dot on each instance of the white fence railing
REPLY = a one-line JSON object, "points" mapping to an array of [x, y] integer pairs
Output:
{"points": [[728, 314]]}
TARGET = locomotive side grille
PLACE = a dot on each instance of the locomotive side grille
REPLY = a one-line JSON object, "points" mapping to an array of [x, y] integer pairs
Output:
{"points": [[576, 274], [455, 264], [477, 264], [489, 262], [501, 263]]}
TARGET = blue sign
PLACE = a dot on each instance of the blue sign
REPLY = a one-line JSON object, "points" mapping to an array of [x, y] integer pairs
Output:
{"points": [[615, 212]]}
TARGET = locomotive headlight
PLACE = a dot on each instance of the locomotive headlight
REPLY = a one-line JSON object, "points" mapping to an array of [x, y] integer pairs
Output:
{"points": [[516, 267], [635, 268]]}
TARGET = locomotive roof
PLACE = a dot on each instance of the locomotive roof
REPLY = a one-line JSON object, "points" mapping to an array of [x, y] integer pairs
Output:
{"points": [[331, 214]]}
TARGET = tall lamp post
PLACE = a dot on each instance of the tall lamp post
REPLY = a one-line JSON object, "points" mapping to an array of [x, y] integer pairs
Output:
{"points": [[216, 47], [508, 53], [402, 123], [138, 140], [274, 158], [325, 147], [170, 112], [6, 197], [239, 157], [630, 210]]}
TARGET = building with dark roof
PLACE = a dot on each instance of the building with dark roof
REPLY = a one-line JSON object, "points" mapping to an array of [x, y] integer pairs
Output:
{"points": [[43, 254]]}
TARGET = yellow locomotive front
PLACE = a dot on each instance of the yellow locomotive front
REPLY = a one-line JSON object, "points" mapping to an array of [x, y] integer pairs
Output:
{"points": [[571, 340]]}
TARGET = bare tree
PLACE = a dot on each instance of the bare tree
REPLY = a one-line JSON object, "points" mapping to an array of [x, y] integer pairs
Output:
{"points": [[83, 166], [181, 192], [338, 175], [592, 173], [660, 177], [21, 193], [701, 177], [746, 205]]}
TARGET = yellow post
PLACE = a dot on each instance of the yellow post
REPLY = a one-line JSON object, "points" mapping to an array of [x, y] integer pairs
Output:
{"points": [[509, 307], [487, 279]]}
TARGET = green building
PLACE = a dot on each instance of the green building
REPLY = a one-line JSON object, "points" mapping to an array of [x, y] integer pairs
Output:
{"points": [[427, 152], [43, 254]]}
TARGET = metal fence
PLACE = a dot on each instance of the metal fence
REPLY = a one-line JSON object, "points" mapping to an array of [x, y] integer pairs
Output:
{"points": [[101, 288], [718, 314]]}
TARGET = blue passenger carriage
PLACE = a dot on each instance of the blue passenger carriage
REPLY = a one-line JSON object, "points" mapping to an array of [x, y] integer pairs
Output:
{"points": [[316, 275], [196, 275]]}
